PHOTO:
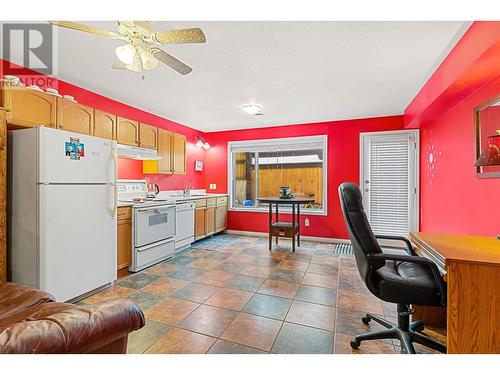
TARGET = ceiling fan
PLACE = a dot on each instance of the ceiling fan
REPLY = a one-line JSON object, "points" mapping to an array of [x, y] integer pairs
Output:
{"points": [[141, 51]]}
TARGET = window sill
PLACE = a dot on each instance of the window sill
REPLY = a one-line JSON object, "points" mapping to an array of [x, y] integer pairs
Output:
{"points": [[303, 211]]}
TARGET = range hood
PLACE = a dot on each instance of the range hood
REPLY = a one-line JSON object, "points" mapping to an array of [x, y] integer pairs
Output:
{"points": [[136, 153]]}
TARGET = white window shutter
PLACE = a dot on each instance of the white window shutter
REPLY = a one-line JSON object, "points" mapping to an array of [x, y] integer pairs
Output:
{"points": [[389, 186]]}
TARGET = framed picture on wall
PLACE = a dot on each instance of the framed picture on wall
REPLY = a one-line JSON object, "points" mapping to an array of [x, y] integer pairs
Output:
{"points": [[487, 144], [198, 165]]}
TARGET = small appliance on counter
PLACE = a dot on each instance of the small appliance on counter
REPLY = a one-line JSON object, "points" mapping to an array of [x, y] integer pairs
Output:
{"points": [[153, 224], [153, 191], [286, 192]]}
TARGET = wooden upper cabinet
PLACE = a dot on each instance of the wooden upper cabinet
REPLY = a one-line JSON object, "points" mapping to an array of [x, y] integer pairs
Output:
{"points": [[74, 117], [164, 165], [165, 151], [127, 132], [29, 108], [104, 124], [179, 153], [148, 136]]}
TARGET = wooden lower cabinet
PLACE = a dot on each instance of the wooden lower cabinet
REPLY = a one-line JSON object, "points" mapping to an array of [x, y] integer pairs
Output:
{"points": [[210, 217], [200, 225], [220, 218], [124, 238], [210, 227]]}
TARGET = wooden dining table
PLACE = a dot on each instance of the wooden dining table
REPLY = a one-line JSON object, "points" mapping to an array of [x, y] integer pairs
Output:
{"points": [[284, 228]]}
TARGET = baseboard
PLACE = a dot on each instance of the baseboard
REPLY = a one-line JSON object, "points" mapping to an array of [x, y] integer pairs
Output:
{"points": [[306, 238]]}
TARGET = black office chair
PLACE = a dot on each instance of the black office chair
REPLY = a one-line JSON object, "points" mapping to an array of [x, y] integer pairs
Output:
{"points": [[402, 279]]}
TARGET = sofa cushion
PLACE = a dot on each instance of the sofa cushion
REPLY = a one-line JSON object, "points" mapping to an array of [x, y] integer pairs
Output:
{"points": [[65, 328], [16, 297]]}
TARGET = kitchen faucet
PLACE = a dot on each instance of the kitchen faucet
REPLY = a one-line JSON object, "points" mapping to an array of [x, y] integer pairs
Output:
{"points": [[186, 192]]}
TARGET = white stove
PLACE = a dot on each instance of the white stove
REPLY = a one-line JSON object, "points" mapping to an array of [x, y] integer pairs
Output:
{"points": [[153, 224], [135, 192]]}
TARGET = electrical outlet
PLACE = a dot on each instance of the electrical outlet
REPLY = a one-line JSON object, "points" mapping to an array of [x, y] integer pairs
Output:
{"points": [[306, 222], [213, 186]]}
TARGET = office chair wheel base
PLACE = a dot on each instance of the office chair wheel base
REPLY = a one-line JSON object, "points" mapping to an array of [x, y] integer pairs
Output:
{"points": [[355, 344], [366, 319]]}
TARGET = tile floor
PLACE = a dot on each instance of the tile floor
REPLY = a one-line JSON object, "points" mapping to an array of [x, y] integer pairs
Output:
{"points": [[230, 294]]}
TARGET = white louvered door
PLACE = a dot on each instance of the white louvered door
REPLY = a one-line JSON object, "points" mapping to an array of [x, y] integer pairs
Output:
{"points": [[389, 181]]}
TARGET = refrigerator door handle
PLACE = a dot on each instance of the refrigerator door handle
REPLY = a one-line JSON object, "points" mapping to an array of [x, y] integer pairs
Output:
{"points": [[115, 185]]}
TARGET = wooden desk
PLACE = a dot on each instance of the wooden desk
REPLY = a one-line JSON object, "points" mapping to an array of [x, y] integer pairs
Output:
{"points": [[471, 267], [285, 229]]}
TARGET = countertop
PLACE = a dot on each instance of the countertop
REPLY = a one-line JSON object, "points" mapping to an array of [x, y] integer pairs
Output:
{"points": [[179, 199]]}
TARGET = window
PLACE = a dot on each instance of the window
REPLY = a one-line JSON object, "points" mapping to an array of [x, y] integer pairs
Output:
{"points": [[258, 169]]}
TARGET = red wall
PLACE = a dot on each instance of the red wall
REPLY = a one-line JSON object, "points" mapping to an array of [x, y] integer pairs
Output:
{"points": [[452, 198], [132, 169], [343, 165]]}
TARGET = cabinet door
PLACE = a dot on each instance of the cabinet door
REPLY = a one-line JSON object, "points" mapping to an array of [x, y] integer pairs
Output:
{"points": [[124, 244], [104, 125], [210, 226], [165, 151], [29, 108], [148, 136], [74, 117], [220, 218], [179, 154], [3, 196], [127, 132], [200, 223]]}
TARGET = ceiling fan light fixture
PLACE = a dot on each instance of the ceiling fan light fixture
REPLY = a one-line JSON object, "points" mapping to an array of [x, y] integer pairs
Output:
{"points": [[136, 65], [252, 109], [126, 53], [148, 60]]}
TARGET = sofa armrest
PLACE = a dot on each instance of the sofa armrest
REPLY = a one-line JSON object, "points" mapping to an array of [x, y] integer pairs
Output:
{"points": [[67, 328]]}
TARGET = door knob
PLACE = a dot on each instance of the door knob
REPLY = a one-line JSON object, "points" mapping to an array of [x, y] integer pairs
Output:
{"points": [[366, 189]]}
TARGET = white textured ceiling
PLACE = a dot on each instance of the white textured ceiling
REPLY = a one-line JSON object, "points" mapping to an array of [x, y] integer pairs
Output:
{"points": [[298, 71]]}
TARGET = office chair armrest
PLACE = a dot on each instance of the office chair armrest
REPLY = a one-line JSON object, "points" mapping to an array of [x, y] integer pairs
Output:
{"points": [[409, 247], [418, 260]]}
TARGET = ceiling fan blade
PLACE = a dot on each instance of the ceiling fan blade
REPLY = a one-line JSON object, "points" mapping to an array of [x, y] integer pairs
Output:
{"points": [[194, 35], [85, 28], [148, 25], [171, 61], [118, 64]]}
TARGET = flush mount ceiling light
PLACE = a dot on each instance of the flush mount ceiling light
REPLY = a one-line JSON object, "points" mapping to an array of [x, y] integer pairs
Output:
{"points": [[252, 109]]}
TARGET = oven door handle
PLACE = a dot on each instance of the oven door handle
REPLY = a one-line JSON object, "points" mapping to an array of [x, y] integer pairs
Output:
{"points": [[157, 209]]}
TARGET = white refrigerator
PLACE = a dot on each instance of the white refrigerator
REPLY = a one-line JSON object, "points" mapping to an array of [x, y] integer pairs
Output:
{"points": [[62, 211]]}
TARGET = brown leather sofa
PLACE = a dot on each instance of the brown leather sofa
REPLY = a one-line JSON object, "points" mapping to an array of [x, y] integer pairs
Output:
{"points": [[31, 322]]}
